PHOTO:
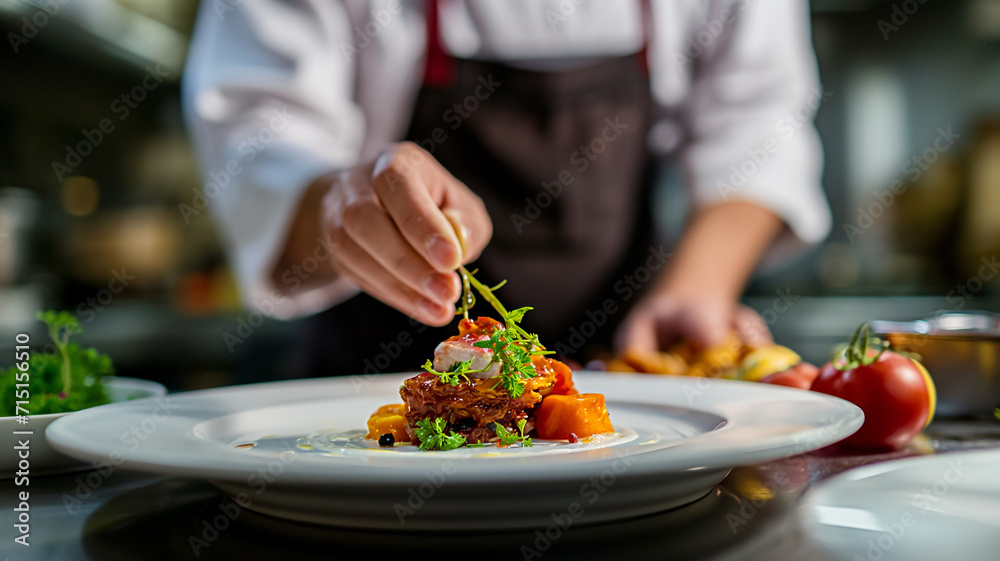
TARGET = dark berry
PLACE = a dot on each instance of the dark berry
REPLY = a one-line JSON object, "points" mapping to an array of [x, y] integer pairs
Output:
{"points": [[386, 439]]}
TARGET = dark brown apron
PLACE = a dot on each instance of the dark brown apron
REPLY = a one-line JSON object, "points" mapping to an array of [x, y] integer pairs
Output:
{"points": [[560, 160]]}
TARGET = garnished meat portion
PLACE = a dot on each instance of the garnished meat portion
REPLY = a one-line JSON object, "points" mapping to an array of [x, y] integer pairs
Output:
{"points": [[484, 384], [471, 407]]}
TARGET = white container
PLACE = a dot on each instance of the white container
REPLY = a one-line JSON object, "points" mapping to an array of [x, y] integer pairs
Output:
{"points": [[42, 458]]}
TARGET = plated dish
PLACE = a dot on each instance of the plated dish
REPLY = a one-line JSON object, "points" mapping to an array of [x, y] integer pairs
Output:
{"points": [[492, 384], [297, 450], [491, 435]]}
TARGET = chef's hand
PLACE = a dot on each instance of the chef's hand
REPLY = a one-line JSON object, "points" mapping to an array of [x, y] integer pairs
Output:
{"points": [[662, 320], [697, 297], [392, 230]]}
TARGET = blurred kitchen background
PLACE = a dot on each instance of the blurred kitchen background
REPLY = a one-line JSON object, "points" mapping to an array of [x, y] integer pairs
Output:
{"points": [[101, 233]]}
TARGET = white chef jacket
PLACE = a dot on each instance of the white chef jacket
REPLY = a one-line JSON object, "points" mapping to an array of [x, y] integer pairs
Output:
{"points": [[278, 92]]}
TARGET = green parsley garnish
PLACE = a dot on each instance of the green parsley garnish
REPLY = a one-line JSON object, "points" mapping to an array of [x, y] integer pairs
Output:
{"points": [[508, 438], [67, 378], [432, 436], [515, 362], [512, 346]]}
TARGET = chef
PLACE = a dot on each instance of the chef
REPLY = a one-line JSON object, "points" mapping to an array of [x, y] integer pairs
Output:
{"points": [[368, 148]]}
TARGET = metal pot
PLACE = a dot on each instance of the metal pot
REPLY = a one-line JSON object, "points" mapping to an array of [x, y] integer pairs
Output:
{"points": [[961, 350]]}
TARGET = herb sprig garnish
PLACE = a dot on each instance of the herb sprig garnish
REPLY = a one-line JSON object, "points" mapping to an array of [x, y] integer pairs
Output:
{"points": [[455, 373], [512, 346], [507, 438], [432, 436], [64, 377], [62, 326]]}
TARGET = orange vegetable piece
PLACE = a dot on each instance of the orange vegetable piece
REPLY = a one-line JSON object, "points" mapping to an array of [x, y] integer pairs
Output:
{"points": [[564, 378], [582, 414], [388, 419], [392, 409]]}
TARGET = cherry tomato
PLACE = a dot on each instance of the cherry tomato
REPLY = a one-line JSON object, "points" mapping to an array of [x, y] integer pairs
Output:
{"points": [[895, 393], [799, 376]]}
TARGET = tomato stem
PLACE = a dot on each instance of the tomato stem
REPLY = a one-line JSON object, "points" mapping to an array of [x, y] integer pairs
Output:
{"points": [[856, 352]]}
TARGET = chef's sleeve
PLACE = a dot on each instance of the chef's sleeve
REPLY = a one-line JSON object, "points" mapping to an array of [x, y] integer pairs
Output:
{"points": [[748, 115], [267, 96]]}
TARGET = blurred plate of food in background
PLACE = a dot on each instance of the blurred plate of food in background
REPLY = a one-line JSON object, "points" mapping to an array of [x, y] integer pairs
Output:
{"points": [[43, 459]]}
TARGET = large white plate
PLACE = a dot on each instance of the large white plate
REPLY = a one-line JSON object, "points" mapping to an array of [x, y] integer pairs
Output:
{"points": [[676, 438], [944, 506]]}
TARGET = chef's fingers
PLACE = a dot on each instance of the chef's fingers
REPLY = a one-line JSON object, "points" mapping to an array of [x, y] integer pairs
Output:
{"points": [[660, 323], [468, 216], [357, 266], [638, 331], [409, 183], [368, 225], [461, 232], [751, 327], [706, 326]]}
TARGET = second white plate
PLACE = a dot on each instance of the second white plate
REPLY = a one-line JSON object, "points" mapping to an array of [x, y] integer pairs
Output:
{"points": [[945, 506]]}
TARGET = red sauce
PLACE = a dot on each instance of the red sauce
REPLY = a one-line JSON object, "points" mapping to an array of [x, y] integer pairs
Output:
{"points": [[483, 326]]}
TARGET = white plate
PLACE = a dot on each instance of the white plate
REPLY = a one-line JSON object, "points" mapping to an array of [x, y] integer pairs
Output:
{"points": [[945, 506], [676, 438], [43, 460]]}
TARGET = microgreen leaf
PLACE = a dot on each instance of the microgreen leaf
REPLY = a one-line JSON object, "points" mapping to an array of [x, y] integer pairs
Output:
{"points": [[505, 437], [432, 436], [61, 326], [526, 441], [508, 438], [517, 315], [455, 373]]}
